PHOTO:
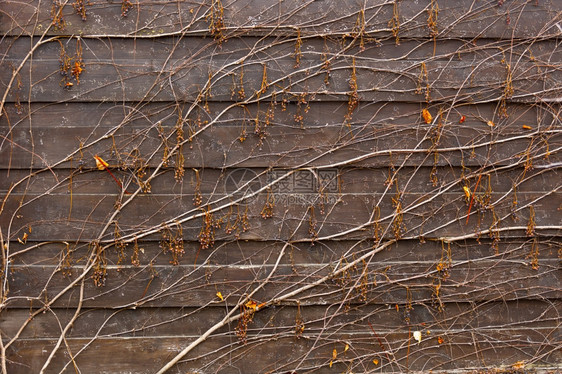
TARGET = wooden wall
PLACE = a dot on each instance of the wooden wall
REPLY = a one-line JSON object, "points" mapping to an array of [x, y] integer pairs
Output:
{"points": [[291, 186]]}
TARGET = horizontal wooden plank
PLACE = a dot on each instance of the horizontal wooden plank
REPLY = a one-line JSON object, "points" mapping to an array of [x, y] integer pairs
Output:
{"points": [[129, 286], [462, 73], [147, 115], [340, 327], [456, 18], [247, 51], [318, 319], [252, 252], [283, 147], [64, 136], [537, 349], [212, 183], [84, 217]]}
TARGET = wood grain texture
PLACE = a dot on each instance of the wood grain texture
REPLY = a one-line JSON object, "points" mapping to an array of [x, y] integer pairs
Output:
{"points": [[115, 72], [240, 253], [129, 287], [214, 183], [337, 176], [346, 216], [280, 319], [70, 135], [457, 18], [141, 354]]}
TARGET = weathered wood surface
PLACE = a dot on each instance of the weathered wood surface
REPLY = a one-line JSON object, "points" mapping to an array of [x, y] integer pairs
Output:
{"points": [[239, 253], [86, 217], [355, 318], [167, 286], [124, 69], [347, 276], [517, 270], [215, 183], [285, 147], [271, 352], [456, 18], [119, 116], [379, 135]]}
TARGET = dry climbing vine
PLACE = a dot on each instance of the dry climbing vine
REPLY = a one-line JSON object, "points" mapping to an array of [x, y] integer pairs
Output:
{"points": [[280, 186]]}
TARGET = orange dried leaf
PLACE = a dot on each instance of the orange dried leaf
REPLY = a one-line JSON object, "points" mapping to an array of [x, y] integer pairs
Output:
{"points": [[23, 240], [375, 361], [490, 123], [526, 127], [427, 116], [518, 365], [440, 340], [334, 354], [100, 163], [251, 304], [77, 69], [463, 118], [219, 295], [346, 348]]}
